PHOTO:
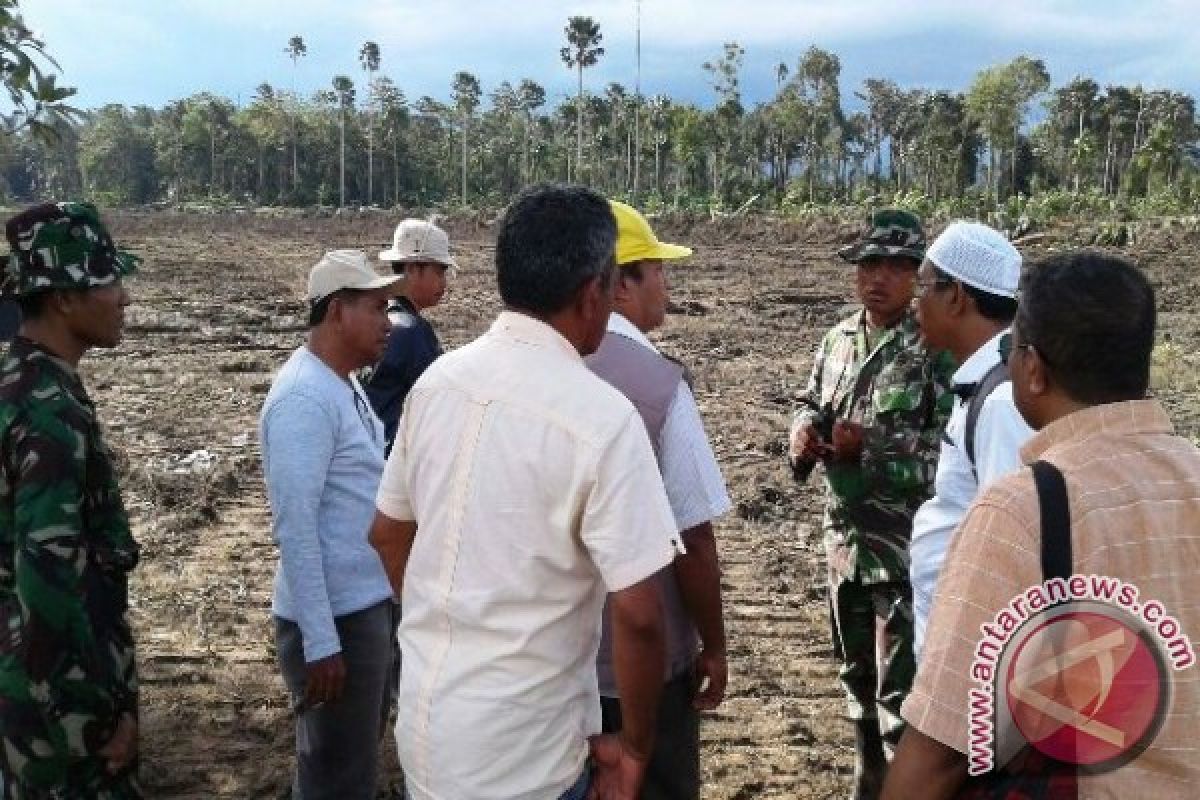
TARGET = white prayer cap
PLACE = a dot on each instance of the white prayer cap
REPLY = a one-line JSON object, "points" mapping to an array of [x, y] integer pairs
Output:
{"points": [[977, 255]]}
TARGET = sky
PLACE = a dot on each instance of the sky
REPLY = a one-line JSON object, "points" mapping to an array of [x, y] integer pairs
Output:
{"points": [[154, 51]]}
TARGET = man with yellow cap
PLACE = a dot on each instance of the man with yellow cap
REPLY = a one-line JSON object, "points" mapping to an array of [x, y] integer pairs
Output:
{"points": [[690, 589]]}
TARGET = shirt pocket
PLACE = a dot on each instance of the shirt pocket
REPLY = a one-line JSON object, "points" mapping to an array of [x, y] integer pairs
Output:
{"points": [[893, 442]]}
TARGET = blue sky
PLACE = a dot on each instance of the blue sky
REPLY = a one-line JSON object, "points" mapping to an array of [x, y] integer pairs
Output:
{"points": [[154, 51]]}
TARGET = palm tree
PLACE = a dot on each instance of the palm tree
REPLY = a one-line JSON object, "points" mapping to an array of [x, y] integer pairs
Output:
{"points": [[368, 56], [295, 50], [343, 88], [466, 99], [583, 50], [530, 96]]}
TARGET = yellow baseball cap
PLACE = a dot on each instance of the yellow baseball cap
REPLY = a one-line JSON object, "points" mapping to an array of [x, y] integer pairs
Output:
{"points": [[636, 241]]}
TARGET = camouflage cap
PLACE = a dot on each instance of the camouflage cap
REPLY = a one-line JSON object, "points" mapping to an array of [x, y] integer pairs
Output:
{"points": [[890, 232], [61, 246]]}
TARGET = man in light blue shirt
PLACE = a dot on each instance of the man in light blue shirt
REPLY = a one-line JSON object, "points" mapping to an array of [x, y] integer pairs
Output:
{"points": [[966, 302], [323, 455]]}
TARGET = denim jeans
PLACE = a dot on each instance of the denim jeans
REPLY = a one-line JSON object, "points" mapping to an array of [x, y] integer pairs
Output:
{"points": [[580, 789]]}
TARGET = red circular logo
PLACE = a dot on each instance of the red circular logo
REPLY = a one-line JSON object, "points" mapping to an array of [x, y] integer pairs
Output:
{"points": [[1085, 688]]}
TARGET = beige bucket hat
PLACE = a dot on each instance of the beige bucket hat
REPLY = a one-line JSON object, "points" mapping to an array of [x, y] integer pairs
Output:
{"points": [[419, 240]]}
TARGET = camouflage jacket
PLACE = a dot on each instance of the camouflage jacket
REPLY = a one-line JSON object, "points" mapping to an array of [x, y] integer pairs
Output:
{"points": [[66, 655], [900, 393]]}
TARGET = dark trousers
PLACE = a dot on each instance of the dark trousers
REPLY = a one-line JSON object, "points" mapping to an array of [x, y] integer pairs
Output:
{"points": [[674, 769], [873, 643], [337, 744]]}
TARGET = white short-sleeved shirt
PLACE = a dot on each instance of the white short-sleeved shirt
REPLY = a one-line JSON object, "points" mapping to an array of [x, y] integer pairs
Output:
{"points": [[1000, 431], [535, 491], [690, 471]]}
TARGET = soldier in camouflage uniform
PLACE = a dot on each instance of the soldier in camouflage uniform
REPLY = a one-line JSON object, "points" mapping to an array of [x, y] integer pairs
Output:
{"points": [[68, 692], [890, 398]]}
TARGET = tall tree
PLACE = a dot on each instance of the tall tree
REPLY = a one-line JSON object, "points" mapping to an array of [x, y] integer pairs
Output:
{"points": [[531, 96], [467, 93], [393, 113], [1029, 79], [295, 50], [343, 89], [583, 50], [724, 76], [368, 57]]}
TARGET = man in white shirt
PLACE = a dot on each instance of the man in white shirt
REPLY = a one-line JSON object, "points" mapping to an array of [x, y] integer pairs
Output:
{"points": [[691, 589], [521, 489], [967, 300]]}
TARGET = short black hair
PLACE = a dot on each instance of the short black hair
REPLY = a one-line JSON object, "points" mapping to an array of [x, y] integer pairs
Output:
{"points": [[1091, 317], [319, 310], [400, 267], [995, 307], [553, 239]]}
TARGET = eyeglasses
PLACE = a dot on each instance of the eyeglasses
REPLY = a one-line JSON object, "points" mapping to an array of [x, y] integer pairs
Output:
{"points": [[1005, 347], [924, 286]]}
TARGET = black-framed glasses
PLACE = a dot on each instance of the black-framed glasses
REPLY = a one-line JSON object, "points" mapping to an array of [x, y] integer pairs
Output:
{"points": [[1005, 347]]}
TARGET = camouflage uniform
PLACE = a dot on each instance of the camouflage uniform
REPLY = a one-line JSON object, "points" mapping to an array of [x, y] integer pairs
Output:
{"points": [[67, 669], [900, 393]]}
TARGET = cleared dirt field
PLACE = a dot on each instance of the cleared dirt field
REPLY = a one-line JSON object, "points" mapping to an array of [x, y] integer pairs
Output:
{"points": [[218, 307]]}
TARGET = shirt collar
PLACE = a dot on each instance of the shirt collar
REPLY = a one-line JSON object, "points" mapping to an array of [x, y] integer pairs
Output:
{"points": [[620, 325], [979, 362], [1112, 419], [402, 303], [529, 330]]}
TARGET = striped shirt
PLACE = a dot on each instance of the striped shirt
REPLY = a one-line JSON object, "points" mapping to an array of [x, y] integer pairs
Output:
{"points": [[1134, 498]]}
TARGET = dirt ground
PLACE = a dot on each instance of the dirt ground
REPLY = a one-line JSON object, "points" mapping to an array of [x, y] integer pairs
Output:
{"points": [[218, 307]]}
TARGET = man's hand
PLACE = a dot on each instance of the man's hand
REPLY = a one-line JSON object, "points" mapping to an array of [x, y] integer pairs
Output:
{"points": [[617, 772], [847, 440], [120, 751], [712, 673], [806, 445], [325, 679]]}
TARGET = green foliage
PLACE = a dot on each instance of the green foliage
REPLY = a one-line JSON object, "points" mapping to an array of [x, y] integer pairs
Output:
{"points": [[36, 97], [1108, 154]]}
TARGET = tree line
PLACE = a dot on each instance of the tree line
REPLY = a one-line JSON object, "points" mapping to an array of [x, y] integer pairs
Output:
{"points": [[1009, 136]]}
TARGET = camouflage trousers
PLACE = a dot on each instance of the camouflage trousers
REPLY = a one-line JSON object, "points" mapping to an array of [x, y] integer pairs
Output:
{"points": [[36, 760], [873, 643], [87, 781]]}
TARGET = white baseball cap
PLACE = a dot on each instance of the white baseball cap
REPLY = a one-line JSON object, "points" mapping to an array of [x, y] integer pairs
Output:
{"points": [[977, 255], [344, 269], [421, 241]]}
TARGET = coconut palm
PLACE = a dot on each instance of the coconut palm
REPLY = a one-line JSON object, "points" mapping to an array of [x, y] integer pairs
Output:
{"points": [[583, 50]]}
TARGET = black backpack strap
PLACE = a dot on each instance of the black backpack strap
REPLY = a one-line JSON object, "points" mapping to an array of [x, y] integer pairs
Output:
{"points": [[1055, 519], [995, 376]]}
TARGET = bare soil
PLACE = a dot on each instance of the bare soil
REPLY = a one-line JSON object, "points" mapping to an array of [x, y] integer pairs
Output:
{"points": [[218, 308]]}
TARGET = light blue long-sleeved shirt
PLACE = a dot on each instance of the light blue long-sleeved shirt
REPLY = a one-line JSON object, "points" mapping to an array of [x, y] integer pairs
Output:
{"points": [[322, 450]]}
